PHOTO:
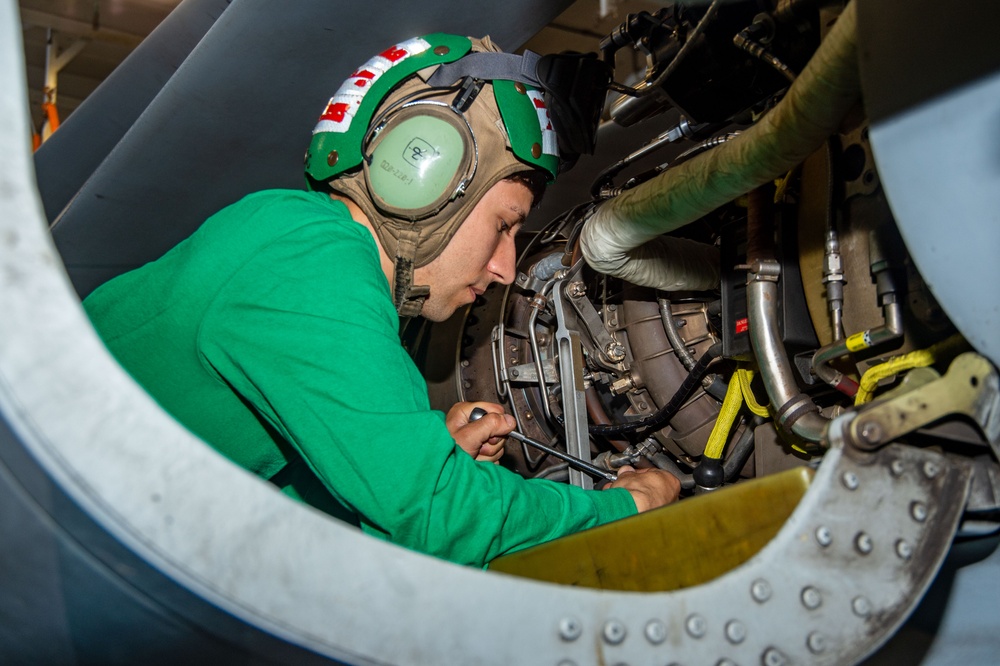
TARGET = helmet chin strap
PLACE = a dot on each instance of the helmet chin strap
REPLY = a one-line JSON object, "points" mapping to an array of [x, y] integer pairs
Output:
{"points": [[408, 298]]}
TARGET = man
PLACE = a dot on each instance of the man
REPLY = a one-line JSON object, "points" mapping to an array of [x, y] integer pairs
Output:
{"points": [[272, 331]]}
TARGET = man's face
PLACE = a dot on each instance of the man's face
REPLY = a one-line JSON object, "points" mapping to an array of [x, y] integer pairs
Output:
{"points": [[480, 253]]}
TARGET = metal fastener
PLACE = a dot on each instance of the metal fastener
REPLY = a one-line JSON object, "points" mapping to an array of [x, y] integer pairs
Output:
{"points": [[773, 657], [514, 372], [441, 50], [615, 351], [656, 632], [861, 606], [332, 157], [897, 467], [824, 536], [614, 632], [918, 511], [736, 632], [570, 629], [904, 550], [519, 87], [863, 543], [811, 598], [850, 480], [696, 626], [536, 150], [576, 289], [760, 590], [871, 433], [725, 662], [931, 469], [816, 642]]}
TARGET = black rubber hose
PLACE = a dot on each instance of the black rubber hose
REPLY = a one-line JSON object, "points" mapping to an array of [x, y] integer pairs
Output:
{"points": [[663, 415]]}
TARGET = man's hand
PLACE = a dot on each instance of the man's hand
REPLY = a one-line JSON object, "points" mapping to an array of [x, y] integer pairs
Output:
{"points": [[650, 487], [483, 439]]}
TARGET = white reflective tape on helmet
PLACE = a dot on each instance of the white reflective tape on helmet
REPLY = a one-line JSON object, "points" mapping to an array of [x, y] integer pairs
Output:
{"points": [[549, 139], [345, 103]]}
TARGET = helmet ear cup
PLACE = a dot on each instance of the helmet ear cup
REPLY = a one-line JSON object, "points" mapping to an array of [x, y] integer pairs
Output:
{"points": [[418, 158]]}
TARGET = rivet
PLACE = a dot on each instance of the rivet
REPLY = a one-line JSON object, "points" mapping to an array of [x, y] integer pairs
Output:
{"points": [[536, 150], [811, 598], [643, 406], [850, 480], [467, 384], [863, 543], [931, 469], [656, 632], [332, 157], [816, 642], [760, 590], [567, 662], [736, 632], [904, 550], [513, 348], [918, 510], [465, 362], [897, 467], [441, 50], [824, 536], [773, 657], [569, 629], [519, 87], [514, 372], [696, 626], [726, 662], [861, 606], [614, 632]]}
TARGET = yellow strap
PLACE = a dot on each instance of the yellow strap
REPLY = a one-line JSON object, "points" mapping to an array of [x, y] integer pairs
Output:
{"points": [[720, 431], [745, 376], [915, 359]]}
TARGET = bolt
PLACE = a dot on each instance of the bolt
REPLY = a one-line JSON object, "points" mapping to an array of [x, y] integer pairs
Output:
{"points": [[656, 632], [576, 289], [811, 598], [897, 467], [904, 550], [861, 607], [918, 510], [514, 372], [931, 469], [615, 351], [569, 629], [824, 536], [760, 590], [850, 480], [465, 362], [612, 308], [612, 322], [614, 632], [696, 626], [736, 632], [871, 433], [816, 642], [773, 657], [643, 406], [863, 543], [467, 384]]}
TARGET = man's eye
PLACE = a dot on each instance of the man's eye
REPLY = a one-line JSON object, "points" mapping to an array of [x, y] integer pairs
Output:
{"points": [[504, 227]]}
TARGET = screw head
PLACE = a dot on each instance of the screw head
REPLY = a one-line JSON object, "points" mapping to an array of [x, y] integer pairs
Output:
{"points": [[656, 632], [811, 598], [863, 543], [918, 511], [736, 632], [816, 642], [904, 550], [824, 536], [850, 480], [861, 606], [570, 629], [760, 590], [614, 632], [696, 626]]}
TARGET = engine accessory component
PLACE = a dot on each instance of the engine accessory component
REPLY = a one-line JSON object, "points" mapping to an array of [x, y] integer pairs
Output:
{"points": [[617, 238], [575, 463]]}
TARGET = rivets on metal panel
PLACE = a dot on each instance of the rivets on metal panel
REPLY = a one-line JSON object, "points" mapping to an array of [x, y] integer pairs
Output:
{"points": [[863, 543], [918, 511], [850, 480], [656, 632], [570, 628], [760, 590], [824, 536], [696, 626], [811, 598], [736, 632], [903, 549], [816, 642], [614, 632], [773, 657], [861, 606], [931, 469], [897, 467]]}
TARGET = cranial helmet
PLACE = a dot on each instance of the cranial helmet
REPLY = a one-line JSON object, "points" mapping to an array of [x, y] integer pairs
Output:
{"points": [[418, 134]]}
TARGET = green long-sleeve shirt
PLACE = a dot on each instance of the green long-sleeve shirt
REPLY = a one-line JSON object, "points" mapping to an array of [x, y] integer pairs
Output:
{"points": [[271, 334]]}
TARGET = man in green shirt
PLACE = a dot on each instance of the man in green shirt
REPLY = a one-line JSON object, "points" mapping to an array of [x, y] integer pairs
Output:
{"points": [[271, 332]]}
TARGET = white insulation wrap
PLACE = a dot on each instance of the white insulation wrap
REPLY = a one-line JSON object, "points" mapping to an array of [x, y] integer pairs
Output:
{"points": [[616, 238]]}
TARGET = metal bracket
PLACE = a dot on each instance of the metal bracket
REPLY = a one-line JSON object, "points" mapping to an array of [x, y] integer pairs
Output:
{"points": [[571, 382], [971, 387]]}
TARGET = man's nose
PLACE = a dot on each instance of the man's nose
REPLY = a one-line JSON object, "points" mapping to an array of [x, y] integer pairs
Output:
{"points": [[503, 262]]}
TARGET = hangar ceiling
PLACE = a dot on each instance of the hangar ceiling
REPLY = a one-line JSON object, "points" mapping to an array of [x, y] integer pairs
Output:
{"points": [[104, 32]]}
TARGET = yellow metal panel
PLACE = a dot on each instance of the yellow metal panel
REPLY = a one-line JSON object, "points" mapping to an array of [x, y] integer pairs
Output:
{"points": [[681, 545]]}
